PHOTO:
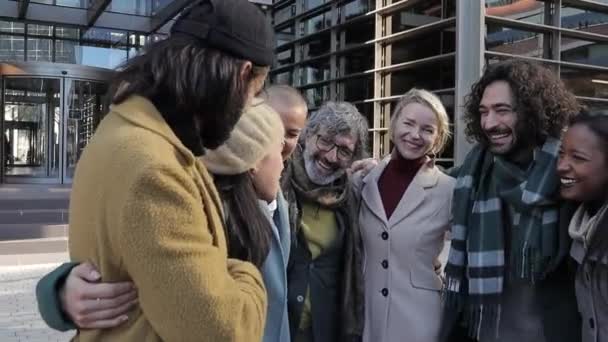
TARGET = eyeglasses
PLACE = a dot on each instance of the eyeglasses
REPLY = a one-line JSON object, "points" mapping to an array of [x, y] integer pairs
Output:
{"points": [[343, 154]]}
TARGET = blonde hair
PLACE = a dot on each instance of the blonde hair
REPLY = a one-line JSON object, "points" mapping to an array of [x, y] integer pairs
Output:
{"points": [[430, 100]]}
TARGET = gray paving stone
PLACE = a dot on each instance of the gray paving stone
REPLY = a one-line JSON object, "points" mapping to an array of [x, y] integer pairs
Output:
{"points": [[19, 318]]}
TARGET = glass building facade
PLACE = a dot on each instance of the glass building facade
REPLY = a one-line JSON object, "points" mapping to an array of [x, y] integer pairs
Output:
{"points": [[369, 52], [56, 59]]}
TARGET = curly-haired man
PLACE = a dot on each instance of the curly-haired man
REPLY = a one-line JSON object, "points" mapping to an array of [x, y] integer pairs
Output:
{"points": [[507, 278]]}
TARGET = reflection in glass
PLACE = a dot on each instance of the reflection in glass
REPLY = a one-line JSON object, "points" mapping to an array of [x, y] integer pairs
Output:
{"points": [[39, 49], [315, 24], [584, 52], [429, 45], [354, 9], [356, 34], [139, 7], [356, 61], [356, 89], [85, 107], [71, 52], [531, 11], [587, 83], [11, 27], [315, 72], [428, 76], [12, 48], [32, 119], [318, 46], [316, 96], [39, 30], [514, 42]]}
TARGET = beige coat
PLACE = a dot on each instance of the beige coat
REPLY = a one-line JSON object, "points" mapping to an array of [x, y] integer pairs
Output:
{"points": [[402, 290]]}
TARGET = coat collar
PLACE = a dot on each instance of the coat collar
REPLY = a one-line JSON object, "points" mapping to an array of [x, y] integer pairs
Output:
{"points": [[427, 177], [282, 232], [141, 112]]}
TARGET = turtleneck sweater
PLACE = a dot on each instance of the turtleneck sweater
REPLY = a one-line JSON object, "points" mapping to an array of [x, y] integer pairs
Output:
{"points": [[395, 180]]}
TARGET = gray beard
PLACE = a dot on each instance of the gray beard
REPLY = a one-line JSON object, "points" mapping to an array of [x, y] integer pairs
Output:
{"points": [[315, 176]]}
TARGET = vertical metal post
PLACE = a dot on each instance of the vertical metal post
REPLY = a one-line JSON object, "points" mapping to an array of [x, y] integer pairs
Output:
{"points": [[470, 48]]}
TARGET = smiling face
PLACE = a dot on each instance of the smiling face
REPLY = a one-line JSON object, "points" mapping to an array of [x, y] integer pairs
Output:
{"points": [[415, 131], [583, 165], [498, 117], [327, 156]]}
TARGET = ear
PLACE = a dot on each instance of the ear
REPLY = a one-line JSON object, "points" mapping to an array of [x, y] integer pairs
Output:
{"points": [[253, 171], [245, 72]]}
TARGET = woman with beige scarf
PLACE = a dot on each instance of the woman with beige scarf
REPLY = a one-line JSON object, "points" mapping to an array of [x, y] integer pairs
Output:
{"points": [[582, 167]]}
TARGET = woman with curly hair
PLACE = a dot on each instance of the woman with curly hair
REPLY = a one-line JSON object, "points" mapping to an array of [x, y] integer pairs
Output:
{"points": [[507, 279], [582, 167]]}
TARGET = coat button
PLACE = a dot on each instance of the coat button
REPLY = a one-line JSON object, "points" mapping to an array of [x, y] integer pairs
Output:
{"points": [[384, 236], [591, 323], [300, 299], [385, 264], [384, 292]]}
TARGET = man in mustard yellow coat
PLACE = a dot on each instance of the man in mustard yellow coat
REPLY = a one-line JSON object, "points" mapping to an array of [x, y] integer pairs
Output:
{"points": [[144, 209]]}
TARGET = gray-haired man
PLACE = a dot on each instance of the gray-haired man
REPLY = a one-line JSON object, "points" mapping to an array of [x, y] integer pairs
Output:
{"points": [[324, 277]]}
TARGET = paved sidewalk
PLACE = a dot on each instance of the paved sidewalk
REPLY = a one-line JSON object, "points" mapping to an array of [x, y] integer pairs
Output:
{"points": [[19, 318]]}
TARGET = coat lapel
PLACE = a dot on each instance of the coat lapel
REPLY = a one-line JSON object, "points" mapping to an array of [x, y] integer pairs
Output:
{"points": [[371, 194], [427, 177]]}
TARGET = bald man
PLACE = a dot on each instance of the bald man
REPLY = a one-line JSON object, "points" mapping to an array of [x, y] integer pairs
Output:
{"points": [[292, 108]]}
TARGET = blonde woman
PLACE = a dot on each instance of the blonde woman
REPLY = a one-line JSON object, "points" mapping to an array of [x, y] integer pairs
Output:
{"points": [[405, 212]]}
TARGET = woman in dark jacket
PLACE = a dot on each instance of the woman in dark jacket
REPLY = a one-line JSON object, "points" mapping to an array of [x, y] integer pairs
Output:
{"points": [[583, 169]]}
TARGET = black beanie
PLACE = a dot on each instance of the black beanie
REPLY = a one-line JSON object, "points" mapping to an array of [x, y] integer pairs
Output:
{"points": [[237, 27]]}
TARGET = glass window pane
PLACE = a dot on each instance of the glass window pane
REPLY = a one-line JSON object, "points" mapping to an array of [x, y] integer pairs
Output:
{"points": [[356, 34], [310, 4], [515, 42], [316, 96], [528, 11], [283, 78], [427, 76], [284, 13], [427, 45], [356, 61], [67, 32], [40, 30], [285, 57], [65, 51], [356, 89], [66, 3], [12, 27], [102, 57], [40, 50], [354, 9], [285, 36], [587, 83], [315, 24], [12, 48], [139, 7], [584, 52], [315, 71], [584, 20], [318, 46], [105, 36]]}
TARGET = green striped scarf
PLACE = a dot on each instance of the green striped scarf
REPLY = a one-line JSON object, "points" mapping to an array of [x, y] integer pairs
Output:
{"points": [[486, 187]]}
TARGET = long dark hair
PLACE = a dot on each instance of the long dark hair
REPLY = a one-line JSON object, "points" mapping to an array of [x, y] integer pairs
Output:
{"points": [[597, 122], [198, 89], [248, 230]]}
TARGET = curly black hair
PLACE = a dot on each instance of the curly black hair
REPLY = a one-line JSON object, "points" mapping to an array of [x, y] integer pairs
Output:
{"points": [[542, 102]]}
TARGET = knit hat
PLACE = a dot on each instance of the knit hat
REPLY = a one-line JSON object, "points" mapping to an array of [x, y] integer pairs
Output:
{"points": [[237, 27], [258, 128]]}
